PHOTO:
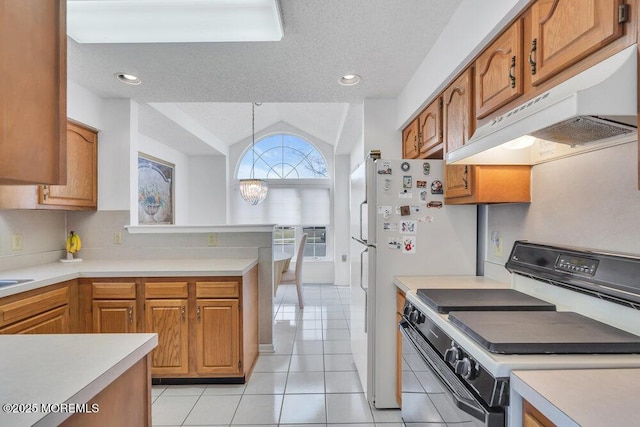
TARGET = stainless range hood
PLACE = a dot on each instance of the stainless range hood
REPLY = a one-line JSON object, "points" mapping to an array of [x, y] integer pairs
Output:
{"points": [[592, 110]]}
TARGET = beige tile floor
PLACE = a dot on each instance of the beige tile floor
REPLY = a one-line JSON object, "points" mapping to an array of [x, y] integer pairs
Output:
{"points": [[310, 379]]}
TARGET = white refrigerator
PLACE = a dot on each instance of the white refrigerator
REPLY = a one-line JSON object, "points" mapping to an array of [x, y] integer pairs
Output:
{"points": [[399, 227]]}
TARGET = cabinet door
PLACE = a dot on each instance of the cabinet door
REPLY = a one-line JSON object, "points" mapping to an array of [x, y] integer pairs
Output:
{"points": [[33, 92], [566, 31], [169, 319], [114, 317], [458, 127], [54, 321], [430, 131], [410, 149], [531, 417], [81, 189], [218, 336], [499, 72]]}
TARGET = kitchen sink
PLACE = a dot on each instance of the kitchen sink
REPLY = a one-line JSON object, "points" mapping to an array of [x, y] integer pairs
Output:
{"points": [[9, 282]]}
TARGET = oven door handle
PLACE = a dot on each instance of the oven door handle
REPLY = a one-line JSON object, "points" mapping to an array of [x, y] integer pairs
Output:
{"points": [[467, 403]]}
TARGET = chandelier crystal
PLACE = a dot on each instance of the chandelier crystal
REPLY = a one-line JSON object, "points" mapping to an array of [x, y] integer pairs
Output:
{"points": [[253, 190]]}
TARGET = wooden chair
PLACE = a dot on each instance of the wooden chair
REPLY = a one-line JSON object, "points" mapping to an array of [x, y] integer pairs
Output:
{"points": [[294, 276]]}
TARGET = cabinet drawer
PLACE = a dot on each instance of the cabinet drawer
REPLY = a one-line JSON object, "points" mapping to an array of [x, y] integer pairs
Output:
{"points": [[217, 289], [27, 307], [165, 290], [114, 290]]}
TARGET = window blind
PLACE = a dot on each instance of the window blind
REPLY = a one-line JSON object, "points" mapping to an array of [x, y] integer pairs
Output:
{"points": [[287, 206]]}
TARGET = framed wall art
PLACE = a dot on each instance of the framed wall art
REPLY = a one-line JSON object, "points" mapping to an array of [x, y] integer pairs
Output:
{"points": [[155, 190]]}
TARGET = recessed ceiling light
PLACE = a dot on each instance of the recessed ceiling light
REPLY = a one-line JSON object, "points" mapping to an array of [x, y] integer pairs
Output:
{"points": [[173, 21], [129, 79], [349, 79]]}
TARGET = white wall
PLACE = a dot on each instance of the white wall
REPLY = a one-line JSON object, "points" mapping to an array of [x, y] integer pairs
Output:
{"points": [[380, 130], [207, 190], [341, 230]]}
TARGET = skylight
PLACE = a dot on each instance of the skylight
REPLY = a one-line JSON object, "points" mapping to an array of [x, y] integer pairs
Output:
{"points": [[173, 21]]}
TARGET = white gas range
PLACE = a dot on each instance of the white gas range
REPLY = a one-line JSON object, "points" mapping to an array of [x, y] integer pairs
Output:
{"points": [[566, 309]]}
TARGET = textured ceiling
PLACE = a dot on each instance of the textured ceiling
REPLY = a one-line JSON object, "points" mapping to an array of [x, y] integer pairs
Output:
{"points": [[382, 40]]}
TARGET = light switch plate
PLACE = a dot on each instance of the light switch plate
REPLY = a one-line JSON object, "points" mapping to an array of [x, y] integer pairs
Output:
{"points": [[213, 239], [117, 238]]}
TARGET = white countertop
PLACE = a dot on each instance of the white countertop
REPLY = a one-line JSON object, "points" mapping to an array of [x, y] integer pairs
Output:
{"points": [[55, 369], [587, 398], [48, 274], [500, 365]]}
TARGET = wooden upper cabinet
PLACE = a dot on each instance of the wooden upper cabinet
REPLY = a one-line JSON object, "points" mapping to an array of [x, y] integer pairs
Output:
{"points": [[410, 149], [81, 190], [458, 128], [566, 31], [499, 72], [430, 131], [33, 88]]}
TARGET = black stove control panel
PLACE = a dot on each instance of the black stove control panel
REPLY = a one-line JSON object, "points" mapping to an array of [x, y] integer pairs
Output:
{"points": [[576, 264]]}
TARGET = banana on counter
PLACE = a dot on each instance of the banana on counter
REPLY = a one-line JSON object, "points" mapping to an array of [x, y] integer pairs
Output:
{"points": [[74, 244]]}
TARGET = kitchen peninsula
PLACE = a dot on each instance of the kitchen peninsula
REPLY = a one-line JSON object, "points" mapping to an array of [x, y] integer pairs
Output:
{"points": [[78, 379], [205, 311]]}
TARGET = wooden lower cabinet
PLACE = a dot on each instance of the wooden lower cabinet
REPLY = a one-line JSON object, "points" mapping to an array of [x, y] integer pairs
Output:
{"points": [[207, 326], [168, 318], [217, 335], [531, 417], [49, 310], [114, 316], [54, 321]]}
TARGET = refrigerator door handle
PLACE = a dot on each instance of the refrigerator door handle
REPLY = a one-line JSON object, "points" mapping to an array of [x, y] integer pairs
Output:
{"points": [[361, 236], [366, 290]]}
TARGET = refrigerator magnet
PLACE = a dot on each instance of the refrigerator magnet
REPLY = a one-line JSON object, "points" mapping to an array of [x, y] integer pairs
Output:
{"points": [[421, 184], [408, 227], [385, 168], [426, 168], [408, 245], [434, 204], [407, 181], [405, 166], [423, 195], [436, 187], [405, 210], [390, 226], [394, 243]]}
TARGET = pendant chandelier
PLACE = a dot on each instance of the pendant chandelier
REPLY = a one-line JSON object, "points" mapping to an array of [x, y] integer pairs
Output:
{"points": [[253, 190]]}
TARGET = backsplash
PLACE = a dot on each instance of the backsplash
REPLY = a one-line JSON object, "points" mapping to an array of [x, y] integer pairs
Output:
{"points": [[42, 233], [97, 230], [591, 200]]}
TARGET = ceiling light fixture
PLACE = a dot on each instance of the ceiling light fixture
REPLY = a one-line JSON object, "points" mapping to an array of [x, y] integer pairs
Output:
{"points": [[349, 80], [129, 79], [173, 21], [253, 190]]}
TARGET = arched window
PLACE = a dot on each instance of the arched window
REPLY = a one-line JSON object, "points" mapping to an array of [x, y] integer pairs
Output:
{"points": [[299, 192], [283, 156]]}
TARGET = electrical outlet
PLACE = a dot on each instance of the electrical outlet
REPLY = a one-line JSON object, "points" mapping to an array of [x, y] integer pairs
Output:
{"points": [[344, 258], [117, 238], [17, 242], [213, 239]]}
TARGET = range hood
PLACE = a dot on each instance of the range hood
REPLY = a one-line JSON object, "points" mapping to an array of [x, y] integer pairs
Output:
{"points": [[592, 110]]}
